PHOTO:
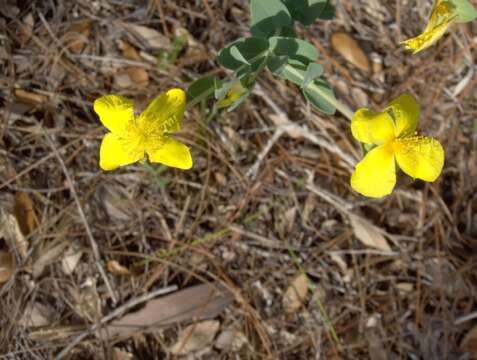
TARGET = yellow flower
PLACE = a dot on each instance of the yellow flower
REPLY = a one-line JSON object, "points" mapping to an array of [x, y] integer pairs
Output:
{"points": [[442, 16], [132, 137], [393, 131]]}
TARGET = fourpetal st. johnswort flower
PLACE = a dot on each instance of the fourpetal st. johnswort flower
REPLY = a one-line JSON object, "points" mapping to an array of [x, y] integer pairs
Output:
{"points": [[441, 18], [394, 132], [132, 138]]}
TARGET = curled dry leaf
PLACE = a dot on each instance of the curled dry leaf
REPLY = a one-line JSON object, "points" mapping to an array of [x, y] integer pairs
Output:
{"points": [[138, 76], [368, 234], [469, 343], [349, 48], [7, 266], [115, 267], [295, 294], [10, 230], [195, 337], [25, 213]]}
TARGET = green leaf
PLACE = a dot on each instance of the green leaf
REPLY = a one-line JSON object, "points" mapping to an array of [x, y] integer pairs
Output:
{"points": [[313, 71], [276, 63], [464, 10], [203, 88], [267, 16], [307, 11], [299, 50], [242, 52], [317, 92]]}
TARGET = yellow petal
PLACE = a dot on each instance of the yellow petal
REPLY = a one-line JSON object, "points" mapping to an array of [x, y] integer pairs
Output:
{"points": [[372, 128], [164, 113], [440, 19], [115, 112], [115, 152], [172, 153], [419, 157], [375, 175], [405, 111]]}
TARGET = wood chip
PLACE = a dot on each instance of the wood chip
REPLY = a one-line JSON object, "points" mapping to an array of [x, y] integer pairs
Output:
{"points": [[349, 48], [368, 234], [295, 294], [195, 337]]}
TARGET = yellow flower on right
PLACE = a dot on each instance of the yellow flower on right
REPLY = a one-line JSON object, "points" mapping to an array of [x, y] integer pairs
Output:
{"points": [[441, 18], [393, 131]]}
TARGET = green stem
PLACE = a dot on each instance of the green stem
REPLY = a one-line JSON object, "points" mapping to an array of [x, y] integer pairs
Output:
{"points": [[210, 91]]}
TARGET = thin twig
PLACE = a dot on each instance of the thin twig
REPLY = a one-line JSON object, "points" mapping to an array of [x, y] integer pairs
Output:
{"points": [[92, 241]]}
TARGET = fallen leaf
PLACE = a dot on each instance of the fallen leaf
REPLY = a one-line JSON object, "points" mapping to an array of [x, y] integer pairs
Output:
{"points": [[349, 48], [295, 294], [115, 267], [368, 234], [289, 218], [122, 355], [7, 266], [78, 35], [195, 337], [279, 120], [25, 213], [138, 75], [71, 260], [198, 302], [36, 314], [30, 98], [11, 232], [26, 28], [47, 256], [230, 340], [149, 37], [469, 343], [129, 51]]}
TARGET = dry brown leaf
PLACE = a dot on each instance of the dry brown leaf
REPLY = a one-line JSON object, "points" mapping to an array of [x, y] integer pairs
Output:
{"points": [[115, 267], [26, 28], [231, 340], [25, 213], [71, 260], [36, 314], [138, 75], [469, 343], [349, 48], [295, 294], [78, 35], [129, 51], [149, 37], [197, 302], [7, 266], [47, 256], [30, 98], [195, 337], [289, 218], [368, 234], [10, 231]]}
